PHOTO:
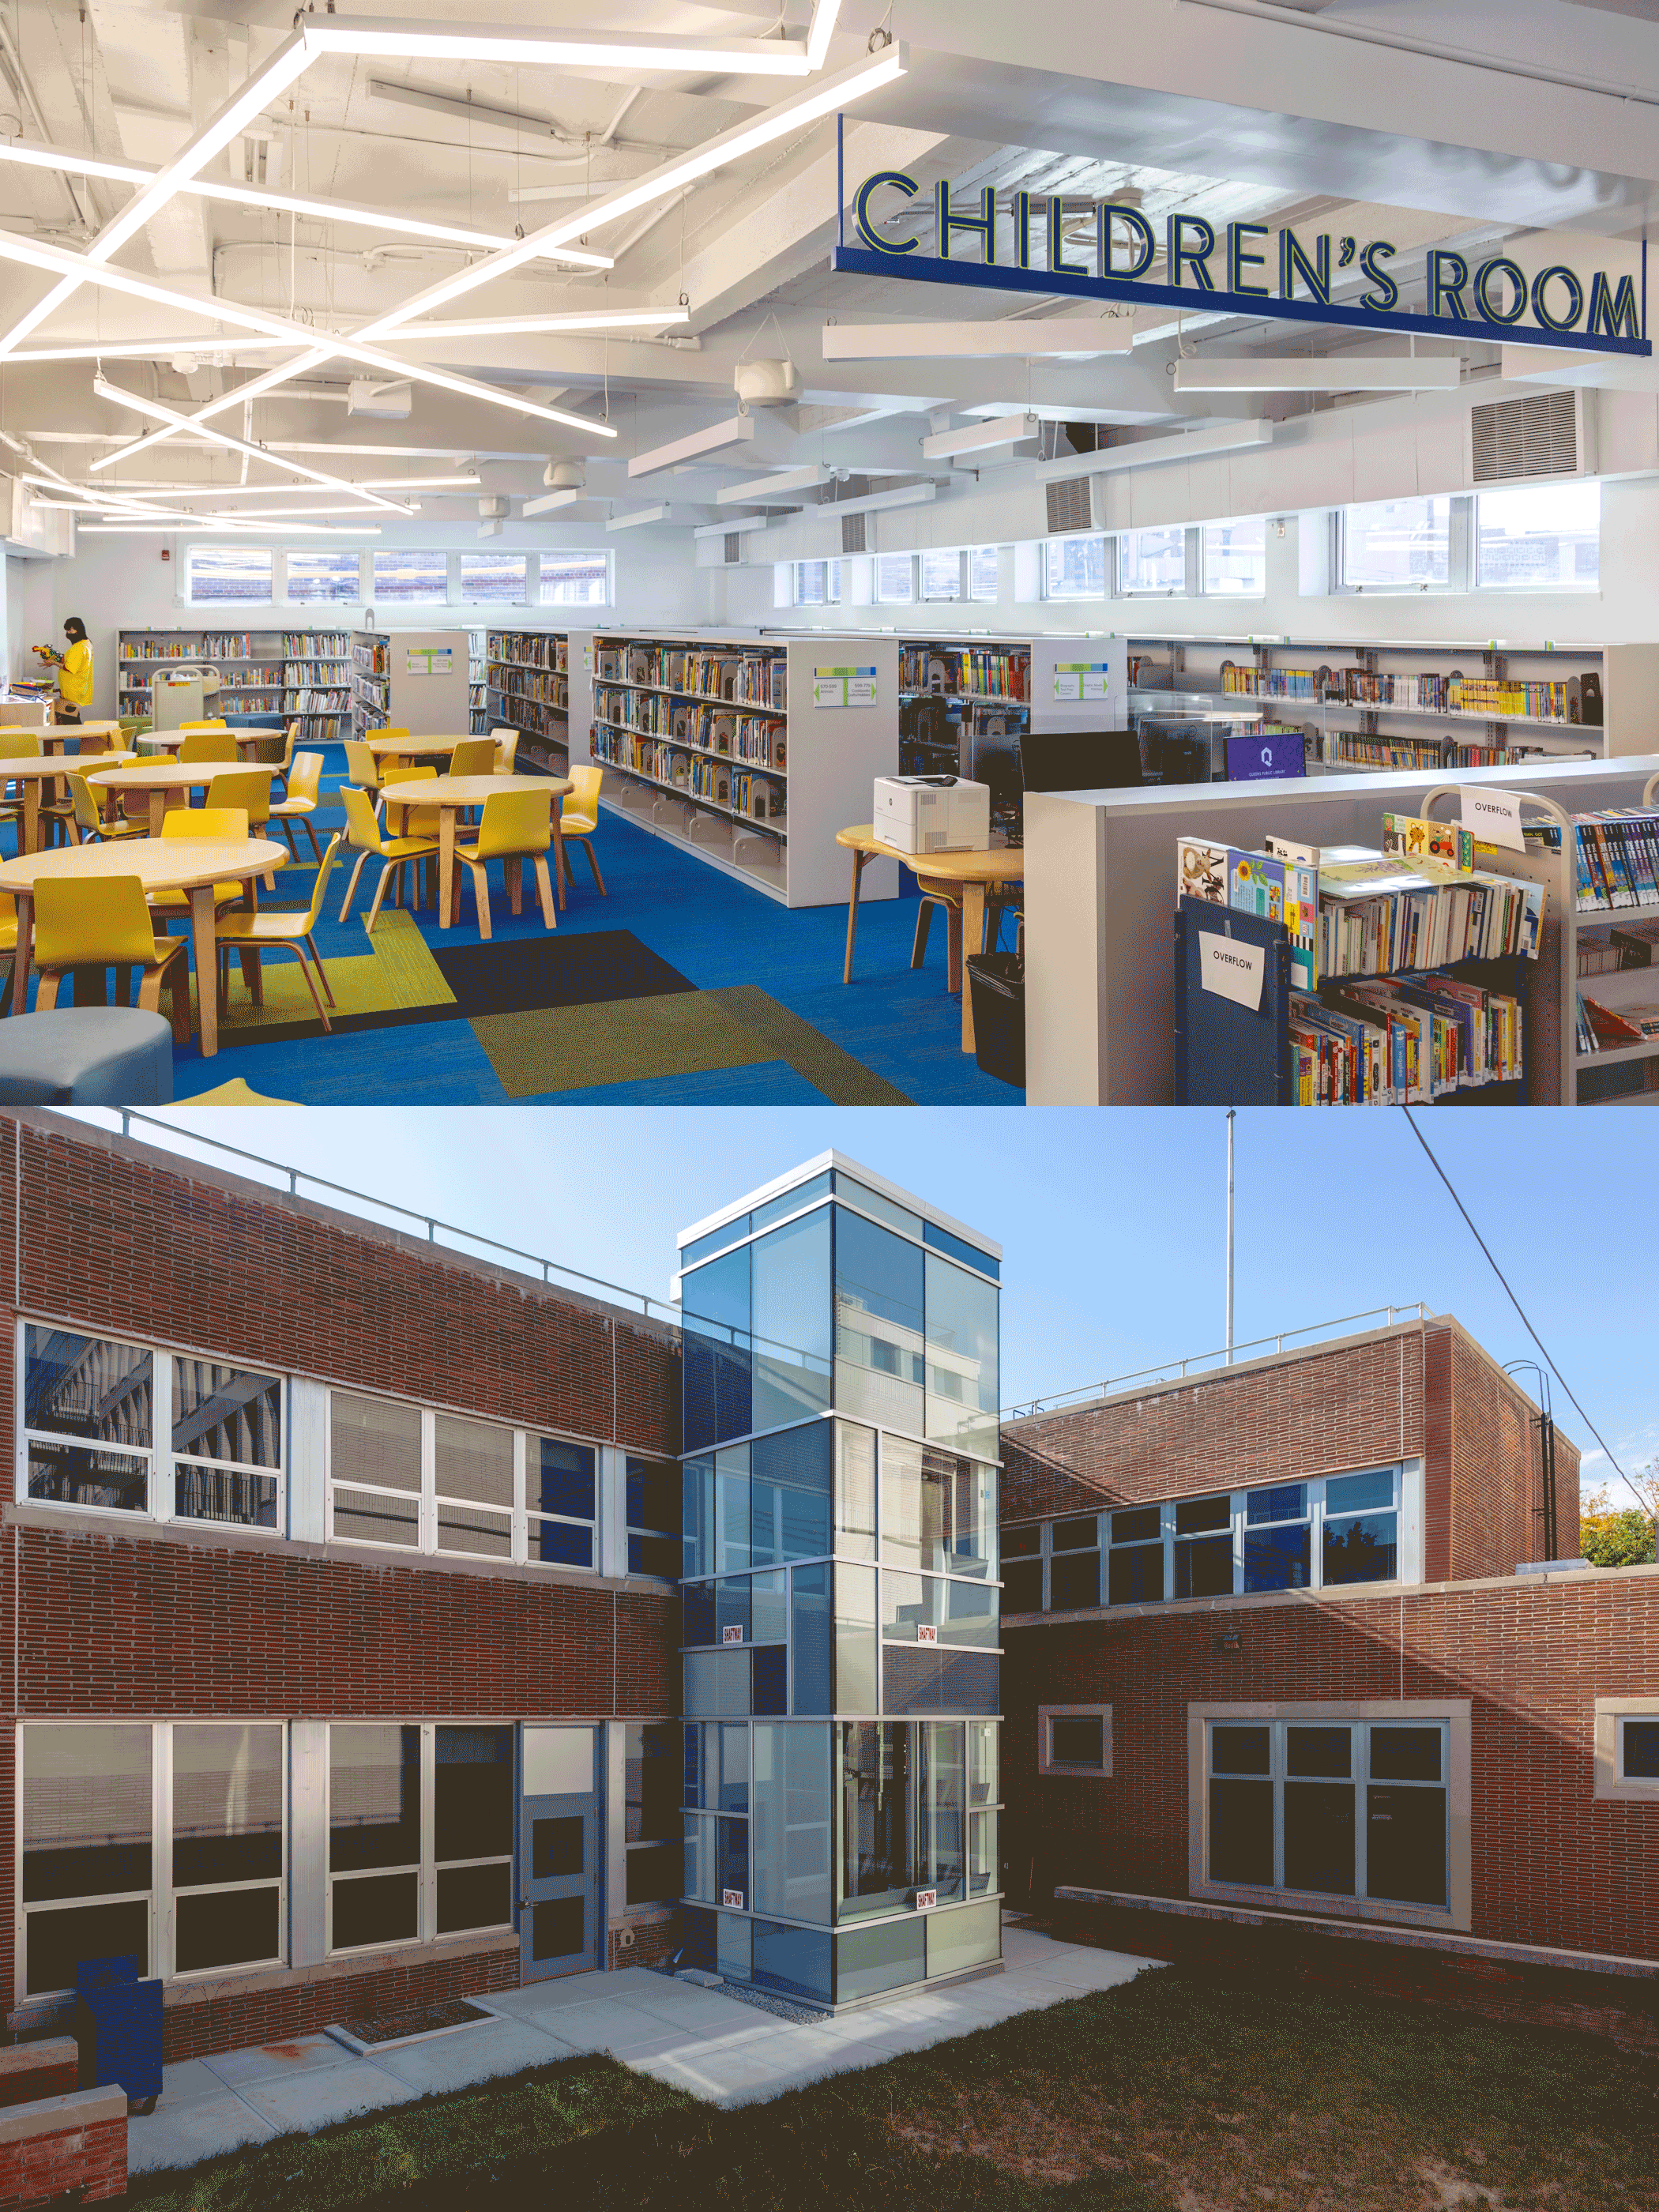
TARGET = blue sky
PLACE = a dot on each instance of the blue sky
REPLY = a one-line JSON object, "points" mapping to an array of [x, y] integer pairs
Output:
{"points": [[1112, 1224]]}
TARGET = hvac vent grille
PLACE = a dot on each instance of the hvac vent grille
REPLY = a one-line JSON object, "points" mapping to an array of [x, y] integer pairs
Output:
{"points": [[1537, 436], [733, 545], [855, 533], [1070, 507]]}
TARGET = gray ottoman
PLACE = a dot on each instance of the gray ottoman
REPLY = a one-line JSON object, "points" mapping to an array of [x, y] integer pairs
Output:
{"points": [[86, 1056]]}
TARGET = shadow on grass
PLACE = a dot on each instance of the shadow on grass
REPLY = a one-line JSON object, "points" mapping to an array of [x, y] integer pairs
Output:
{"points": [[1168, 2094]]}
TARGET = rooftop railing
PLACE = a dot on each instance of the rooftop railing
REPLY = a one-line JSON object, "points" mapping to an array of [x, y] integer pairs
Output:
{"points": [[1205, 1363]]}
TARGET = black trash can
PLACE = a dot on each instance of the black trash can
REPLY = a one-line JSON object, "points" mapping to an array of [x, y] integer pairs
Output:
{"points": [[997, 981]]}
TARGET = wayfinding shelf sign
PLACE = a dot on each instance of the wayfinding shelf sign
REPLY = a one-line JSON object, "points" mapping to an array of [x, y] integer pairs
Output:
{"points": [[429, 659], [1232, 969], [843, 687], [1493, 817], [1081, 679]]}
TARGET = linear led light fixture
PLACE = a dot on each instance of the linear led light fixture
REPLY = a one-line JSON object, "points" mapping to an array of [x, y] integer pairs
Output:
{"points": [[105, 390], [150, 349], [223, 529], [980, 438], [285, 490], [737, 430], [1328, 372], [622, 319], [550, 499], [999, 341], [1147, 453], [351, 217], [738, 526], [921, 495], [765, 488], [640, 515]]}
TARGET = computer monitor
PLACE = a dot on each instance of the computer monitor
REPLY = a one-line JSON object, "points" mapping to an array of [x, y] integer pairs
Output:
{"points": [[1267, 756], [1080, 760]]}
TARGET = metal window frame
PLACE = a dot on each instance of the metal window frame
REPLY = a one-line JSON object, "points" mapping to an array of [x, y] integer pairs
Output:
{"points": [[1185, 589], [1478, 583], [607, 596], [1459, 552], [1110, 567], [1049, 1765], [186, 567], [926, 598], [1610, 1781], [1200, 588]]}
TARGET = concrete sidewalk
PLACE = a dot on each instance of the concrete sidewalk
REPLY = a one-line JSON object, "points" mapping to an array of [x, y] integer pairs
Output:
{"points": [[701, 2040]]}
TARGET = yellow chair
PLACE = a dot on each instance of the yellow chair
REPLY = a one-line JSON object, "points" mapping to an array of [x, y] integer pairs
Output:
{"points": [[579, 817], [229, 823], [506, 749], [8, 946], [412, 820], [247, 787], [283, 929], [517, 826], [102, 921], [364, 835], [362, 768], [16, 744], [206, 722], [304, 794], [473, 756], [81, 819], [208, 746]]}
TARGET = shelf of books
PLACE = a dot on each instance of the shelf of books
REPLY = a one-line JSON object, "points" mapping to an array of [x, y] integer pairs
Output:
{"points": [[529, 691], [1615, 963], [1391, 704], [317, 683], [251, 666], [1354, 976], [477, 689], [963, 711], [750, 753], [415, 680]]}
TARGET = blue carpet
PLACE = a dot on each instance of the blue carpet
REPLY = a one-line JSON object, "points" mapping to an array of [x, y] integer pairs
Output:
{"points": [[715, 932]]}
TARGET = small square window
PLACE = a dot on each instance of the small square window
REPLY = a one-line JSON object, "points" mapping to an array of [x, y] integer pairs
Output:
{"points": [[1152, 560], [1074, 1740], [895, 579], [1628, 1749], [231, 573], [1075, 568]]}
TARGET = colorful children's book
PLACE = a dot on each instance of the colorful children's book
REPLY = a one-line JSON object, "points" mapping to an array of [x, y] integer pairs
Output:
{"points": [[1437, 844], [1256, 884], [1202, 870]]}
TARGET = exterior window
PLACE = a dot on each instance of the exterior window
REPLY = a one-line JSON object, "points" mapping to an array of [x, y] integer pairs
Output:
{"points": [[917, 1813], [982, 572], [1333, 1808], [1396, 545], [652, 1786], [895, 579], [575, 580], [1074, 1568], [473, 1472], [406, 577], [103, 1848], [941, 575], [495, 576], [1074, 1740], [1628, 1749], [227, 1443], [373, 1836], [1276, 1538], [1362, 1525], [1075, 568], [239, 572], [1539, 537], [472, 1815], [962, 1358], [88, 1420], [1204, 1547], [653, 1519], [315, 576], [1235, 558], [374, 1470], [1136, 1567], [815, 583], [561, 1493], [1022, 1569], [1152, 560]]}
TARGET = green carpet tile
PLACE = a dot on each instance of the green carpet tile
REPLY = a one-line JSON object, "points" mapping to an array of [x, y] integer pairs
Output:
{"points": [[842, 1079], [574, 1047], [395, 973]]}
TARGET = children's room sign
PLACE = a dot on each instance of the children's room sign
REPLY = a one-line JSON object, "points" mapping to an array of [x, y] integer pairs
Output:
{"points": [[843, 687]]}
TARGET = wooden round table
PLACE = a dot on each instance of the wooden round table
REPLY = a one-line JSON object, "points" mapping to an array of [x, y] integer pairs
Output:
{"points": [[167, 782], [31, 771], [964, 876], [411, 748], [170, 740], [194, 865], [56, 735], [451, 795]]}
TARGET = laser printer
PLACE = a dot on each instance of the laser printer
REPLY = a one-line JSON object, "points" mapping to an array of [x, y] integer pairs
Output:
{"points": [[932, 813]]}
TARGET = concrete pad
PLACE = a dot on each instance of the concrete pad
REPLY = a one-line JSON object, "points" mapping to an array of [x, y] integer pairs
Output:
{"points": [[478, 2054], [703, 2012], [197, 2127], [317, 2098], [564, 1989], [280, 2062], [188, 2079]]}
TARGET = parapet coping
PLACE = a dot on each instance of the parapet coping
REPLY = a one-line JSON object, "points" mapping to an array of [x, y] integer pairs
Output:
{"points": [[58, 2115]]}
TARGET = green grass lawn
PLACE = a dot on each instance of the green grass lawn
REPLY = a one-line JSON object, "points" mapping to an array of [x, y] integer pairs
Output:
{"points": [[1170, 2094]]}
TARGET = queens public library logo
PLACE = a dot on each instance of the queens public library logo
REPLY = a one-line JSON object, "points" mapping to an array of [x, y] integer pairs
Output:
{"points": [[1023, 244]]}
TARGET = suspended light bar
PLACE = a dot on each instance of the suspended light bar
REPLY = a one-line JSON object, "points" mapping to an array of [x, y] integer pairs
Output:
{"points": [[105, 390], [1079, 335], [759, 489], [224, 529], [623, 318], [980, 439], [548, 499], [286, 490], [150, 349], [1328, 372], [1148, 453]]}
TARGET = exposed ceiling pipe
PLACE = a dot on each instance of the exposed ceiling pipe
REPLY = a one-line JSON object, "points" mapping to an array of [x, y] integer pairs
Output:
{"points": [[609, 129], [25, 91]]}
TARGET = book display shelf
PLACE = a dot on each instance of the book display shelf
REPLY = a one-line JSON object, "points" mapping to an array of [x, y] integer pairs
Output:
{"points": [[957, 699], [1612, 956], [477, 691], [413, 680], [1393, 704], [751, 752], [528, 675], [251, 666]]}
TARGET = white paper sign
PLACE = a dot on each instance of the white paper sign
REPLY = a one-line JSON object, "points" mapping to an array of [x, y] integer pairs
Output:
{"points": [[731, 1636], [1493, 817], [927, 1899], [1232, 969], [926, 1633]]}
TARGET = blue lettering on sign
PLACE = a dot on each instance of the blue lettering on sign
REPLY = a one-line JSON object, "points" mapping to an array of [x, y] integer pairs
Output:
{"points": [[1593, 311]]}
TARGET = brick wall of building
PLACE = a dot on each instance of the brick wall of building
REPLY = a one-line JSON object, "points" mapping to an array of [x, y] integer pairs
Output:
{"points": [[1552, 1864], [82, 2160], [1496, 1473], [1340, 1405]]}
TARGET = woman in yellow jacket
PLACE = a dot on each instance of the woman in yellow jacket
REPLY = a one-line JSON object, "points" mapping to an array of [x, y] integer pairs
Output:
{"points": [[73, 671]]}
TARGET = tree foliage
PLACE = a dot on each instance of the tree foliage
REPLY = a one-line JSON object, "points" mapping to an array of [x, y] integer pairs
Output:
{"points": [[1611, 1535]]}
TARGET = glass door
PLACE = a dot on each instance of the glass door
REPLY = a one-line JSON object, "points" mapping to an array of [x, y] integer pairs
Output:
{"points": [[559, 1848]]}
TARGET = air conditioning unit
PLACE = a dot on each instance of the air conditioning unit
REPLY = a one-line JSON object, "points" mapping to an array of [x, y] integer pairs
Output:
{"points": [[1541, 435], [1073, 503], [381, 401], [855, 533]]}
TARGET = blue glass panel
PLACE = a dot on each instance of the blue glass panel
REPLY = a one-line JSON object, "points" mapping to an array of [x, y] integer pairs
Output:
{"points": [[716, 1241], [560, 1544], [718, 1380], [792, 1479], [771, 1662], [791, 1321], [942, 1241], [1363, 1550], [562, 1480], [811, 1636], [789, 1201], [699, 1625], [795, 1961]]}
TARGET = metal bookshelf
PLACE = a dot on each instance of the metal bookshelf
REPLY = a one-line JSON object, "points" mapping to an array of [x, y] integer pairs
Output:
{"points": [[528, 683], [416, 680], [251, 665]]}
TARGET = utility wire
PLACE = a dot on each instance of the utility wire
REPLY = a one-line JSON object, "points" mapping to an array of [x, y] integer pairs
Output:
{"points": [[1642, 1502]]}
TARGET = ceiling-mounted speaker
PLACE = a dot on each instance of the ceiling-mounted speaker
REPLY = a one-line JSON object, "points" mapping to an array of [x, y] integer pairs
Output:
{"points": [[495, 503], [767, 383], [565, 476]]}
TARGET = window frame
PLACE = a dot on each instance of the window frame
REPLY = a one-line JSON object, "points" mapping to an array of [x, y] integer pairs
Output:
{"points": [[162, 1895], [187, 567], [1460, 555], [877, 597], [160, 1461], [833, 582], [519, 599], [546, 598], [1108, 562], [1186, 589], [1610, 1714], [1478, 581], [676, 1839], [1454, 1713], [957, 599], [1202, 589], [379, 597], [1049, 1765]]}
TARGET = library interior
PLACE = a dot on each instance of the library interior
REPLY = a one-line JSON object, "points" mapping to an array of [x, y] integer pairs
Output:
{"points": [[755, 480]]}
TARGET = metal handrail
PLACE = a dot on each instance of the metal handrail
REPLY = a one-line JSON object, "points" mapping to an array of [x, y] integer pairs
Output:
{"points": [[1204, 1362]]}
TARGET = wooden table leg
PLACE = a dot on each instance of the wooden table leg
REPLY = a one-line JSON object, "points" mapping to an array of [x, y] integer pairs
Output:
{"points": [[973, 940], [158, 807], [562, 868], [31, 812], [204, 930], [446, 867], [20, 973], [858, 859]]}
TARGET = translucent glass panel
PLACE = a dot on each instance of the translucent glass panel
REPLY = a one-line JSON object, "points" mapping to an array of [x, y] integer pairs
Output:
{"points": [[406, 576], [791, 1321], [227, 1844], [1075, 568], [718, 1682], [855, 1640], [86, 1823], [962, 1358], [575, 580], [982, 572], [472, 1828], [1152, 560], [942, 1832], [941, 575], [1539, 537], [227, 1432], [815, 583], [791, 1830], [228, 572], [493, 576], [812, 1682], [1235, 557], [319, 577], [938, 1511], [956, 1613], [1398, 544], [763, 1503], [886, 1957], [880, 1337], [895, 578], [719, 1380], [374, 1835], [957, 1941], [855, 1492]]}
